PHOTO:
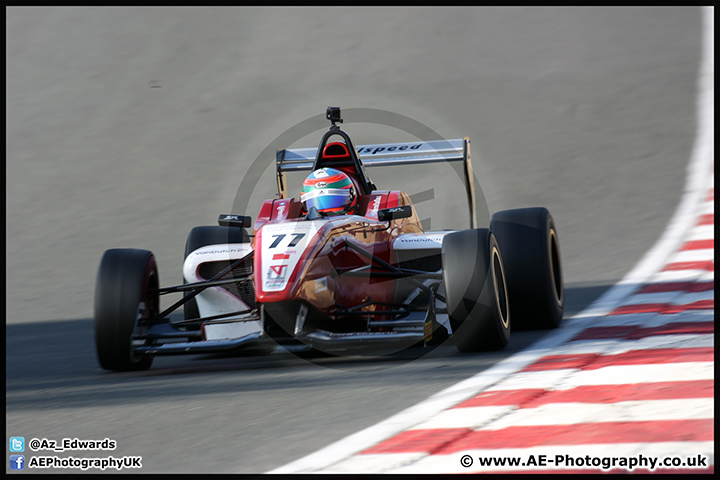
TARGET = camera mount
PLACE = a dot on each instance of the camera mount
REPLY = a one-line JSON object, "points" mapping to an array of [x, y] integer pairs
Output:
{"points": [[333, 114]]}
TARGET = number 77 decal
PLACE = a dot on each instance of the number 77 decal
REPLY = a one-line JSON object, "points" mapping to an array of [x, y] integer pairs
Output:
{"points": [[279, 238]]}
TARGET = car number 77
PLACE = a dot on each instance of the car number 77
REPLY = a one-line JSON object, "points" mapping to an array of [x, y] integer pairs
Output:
{"points": [[278, 238]]}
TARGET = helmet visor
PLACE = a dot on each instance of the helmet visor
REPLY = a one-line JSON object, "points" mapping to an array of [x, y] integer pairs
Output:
{"points": [[327, 200]]}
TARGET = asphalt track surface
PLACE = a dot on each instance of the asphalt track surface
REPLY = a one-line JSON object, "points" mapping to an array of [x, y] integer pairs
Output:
{"points": [[126, 127]]}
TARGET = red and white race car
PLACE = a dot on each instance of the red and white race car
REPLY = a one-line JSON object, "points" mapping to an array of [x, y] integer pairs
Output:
{"points": [[368, 279]]}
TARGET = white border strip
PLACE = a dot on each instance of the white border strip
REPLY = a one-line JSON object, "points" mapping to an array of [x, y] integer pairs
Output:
{"points": [[698, 181]]}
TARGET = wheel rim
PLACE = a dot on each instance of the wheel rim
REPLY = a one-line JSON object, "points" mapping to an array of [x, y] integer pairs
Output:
{"points": [[501, 297], [148, 307], [556, 267], [139, 327]]}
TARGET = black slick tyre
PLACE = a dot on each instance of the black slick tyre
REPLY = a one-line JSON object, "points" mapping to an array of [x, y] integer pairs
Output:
{"points": [[125, 297], [475, 290], [531, 249]]}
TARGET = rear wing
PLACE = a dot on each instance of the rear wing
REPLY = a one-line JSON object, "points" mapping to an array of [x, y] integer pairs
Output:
{"points": [[387, 154]]}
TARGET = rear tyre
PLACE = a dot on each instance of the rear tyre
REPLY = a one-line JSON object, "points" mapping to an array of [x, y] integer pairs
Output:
{"points": [[530, 246], [125, 297], [475, 290], [202, 237]]}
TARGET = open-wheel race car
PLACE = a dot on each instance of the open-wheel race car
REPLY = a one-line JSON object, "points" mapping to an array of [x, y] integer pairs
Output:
{"points": [[344, 268]]}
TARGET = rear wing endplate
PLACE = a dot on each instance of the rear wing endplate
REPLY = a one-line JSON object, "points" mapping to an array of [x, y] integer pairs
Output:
{"points": [[387, 154]]}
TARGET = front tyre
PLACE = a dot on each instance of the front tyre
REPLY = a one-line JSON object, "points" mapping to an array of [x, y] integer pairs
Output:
{"points": [[530, 246], [476, 290], [125, 297]]}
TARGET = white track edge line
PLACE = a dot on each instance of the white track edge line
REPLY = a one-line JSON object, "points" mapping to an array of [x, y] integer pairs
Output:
{"points": [[696, 186]]}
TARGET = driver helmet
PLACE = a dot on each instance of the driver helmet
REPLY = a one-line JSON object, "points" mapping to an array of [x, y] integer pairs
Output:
{"points": [[330, 191]]}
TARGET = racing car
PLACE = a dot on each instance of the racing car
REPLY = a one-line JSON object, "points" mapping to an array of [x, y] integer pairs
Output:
{"points": [[366, 277]]}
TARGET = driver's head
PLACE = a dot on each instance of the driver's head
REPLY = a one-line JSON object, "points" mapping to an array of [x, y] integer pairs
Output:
{"points": [[330, 191]]}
